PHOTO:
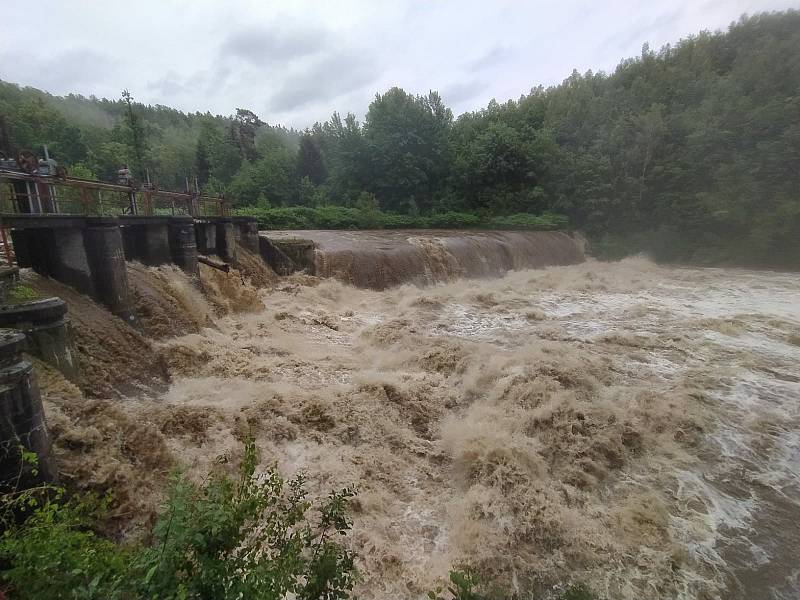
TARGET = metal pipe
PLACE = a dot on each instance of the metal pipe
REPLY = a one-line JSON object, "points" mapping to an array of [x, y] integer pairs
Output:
{"points": [[220, 266]]}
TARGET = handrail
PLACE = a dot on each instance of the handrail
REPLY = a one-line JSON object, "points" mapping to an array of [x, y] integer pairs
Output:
{"points": [[192, 203]]}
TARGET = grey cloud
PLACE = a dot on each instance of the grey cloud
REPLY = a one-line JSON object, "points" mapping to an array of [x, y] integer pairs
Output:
{"points": [[70, 70], [327, 78], [170, 85], [640, 31], [259, 45], [492, 57], [462, 91]]}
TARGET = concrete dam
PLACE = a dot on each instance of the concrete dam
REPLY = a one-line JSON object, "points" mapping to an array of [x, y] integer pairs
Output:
{"points": [[383, 259]]}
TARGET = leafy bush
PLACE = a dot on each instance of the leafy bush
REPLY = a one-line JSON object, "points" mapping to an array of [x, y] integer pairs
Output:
{"points": [[256, 537], [19, 293], [248, 539], [56, 554], [393, 221], [545, 221], [367, 216], [453, 220]]}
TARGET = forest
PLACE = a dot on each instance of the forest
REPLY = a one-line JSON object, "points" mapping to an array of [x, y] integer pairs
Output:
{"points": [[690, 153]]}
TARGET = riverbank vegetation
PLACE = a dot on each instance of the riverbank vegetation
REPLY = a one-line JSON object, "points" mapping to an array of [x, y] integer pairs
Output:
{"points": [[689, 152], [257, 536], [358, 217]]}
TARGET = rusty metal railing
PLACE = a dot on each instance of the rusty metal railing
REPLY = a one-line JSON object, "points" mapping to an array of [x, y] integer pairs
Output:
{"points": [[23, 193]]}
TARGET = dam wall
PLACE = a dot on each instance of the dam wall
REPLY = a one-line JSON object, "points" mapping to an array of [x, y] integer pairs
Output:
{"points": [[89, 253], [382, 259]]}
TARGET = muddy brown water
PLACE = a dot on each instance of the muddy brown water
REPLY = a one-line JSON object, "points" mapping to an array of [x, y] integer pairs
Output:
{"points": [[623, 424], [383, 259]]}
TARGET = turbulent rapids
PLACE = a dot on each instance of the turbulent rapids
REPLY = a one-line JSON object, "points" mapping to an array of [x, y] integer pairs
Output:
{"points": [[627, 425]]}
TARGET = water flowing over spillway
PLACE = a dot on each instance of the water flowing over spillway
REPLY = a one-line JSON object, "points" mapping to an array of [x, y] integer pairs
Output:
{"points": [[632, 426], [383, 259]]}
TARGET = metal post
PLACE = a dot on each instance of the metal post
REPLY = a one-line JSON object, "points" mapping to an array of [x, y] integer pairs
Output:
{"points": [[9, 259], [33, 198], [132, 201], [86, 199]]}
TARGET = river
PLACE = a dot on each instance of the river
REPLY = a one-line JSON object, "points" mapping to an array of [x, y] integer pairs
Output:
{"points": [[628, 425]]}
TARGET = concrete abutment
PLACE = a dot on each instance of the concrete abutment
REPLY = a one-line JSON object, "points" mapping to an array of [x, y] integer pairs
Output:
{"points": [[22, 422], [44, 322]]}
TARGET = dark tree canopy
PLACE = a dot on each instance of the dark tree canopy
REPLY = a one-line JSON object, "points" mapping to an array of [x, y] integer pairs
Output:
{"points": [[691, 152], [310, 162]]}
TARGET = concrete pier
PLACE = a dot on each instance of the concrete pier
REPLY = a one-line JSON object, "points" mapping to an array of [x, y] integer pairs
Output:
{"points": [[104, 247], [206, 233], [54, 246], [146, 239], [68, 261], [183, 244], [226, 240], [22, 423], [246, 230], [89, 253], [44, 322]]}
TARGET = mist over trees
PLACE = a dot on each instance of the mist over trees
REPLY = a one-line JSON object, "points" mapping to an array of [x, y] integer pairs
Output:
{"points": [[691, 152]]}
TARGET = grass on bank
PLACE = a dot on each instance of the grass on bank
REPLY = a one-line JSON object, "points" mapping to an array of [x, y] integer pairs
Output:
{"points": [[18, 293]]}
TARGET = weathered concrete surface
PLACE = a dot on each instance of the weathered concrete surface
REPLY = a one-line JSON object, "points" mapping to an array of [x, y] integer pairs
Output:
{"points": [[206, 232], [246, 229], [44, 322], [288, 251], [226, 240], [88, 253], [22, 423], [146, 239], [183, 244], [107, 262]]}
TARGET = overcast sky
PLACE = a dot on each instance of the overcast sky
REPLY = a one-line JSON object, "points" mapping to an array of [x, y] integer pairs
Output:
{"points": [[294, 62]]}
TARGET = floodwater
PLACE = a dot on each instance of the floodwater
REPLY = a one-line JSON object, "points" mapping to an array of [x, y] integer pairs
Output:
{"points": [[384, 259], [630, 426]]}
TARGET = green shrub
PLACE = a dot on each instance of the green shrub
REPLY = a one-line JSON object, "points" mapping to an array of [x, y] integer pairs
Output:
{"points": [[56, 553], [453, 220], [544, 221], [256, 537], [366, 215], [19, 293], [393, 221], [248, 539]]}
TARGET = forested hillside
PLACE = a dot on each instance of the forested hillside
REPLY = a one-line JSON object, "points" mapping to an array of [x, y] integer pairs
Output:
{"points": [[691, 152]]}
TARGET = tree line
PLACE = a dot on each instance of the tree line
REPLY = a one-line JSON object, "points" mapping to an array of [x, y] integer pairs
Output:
{"points": [[690, 152]]}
